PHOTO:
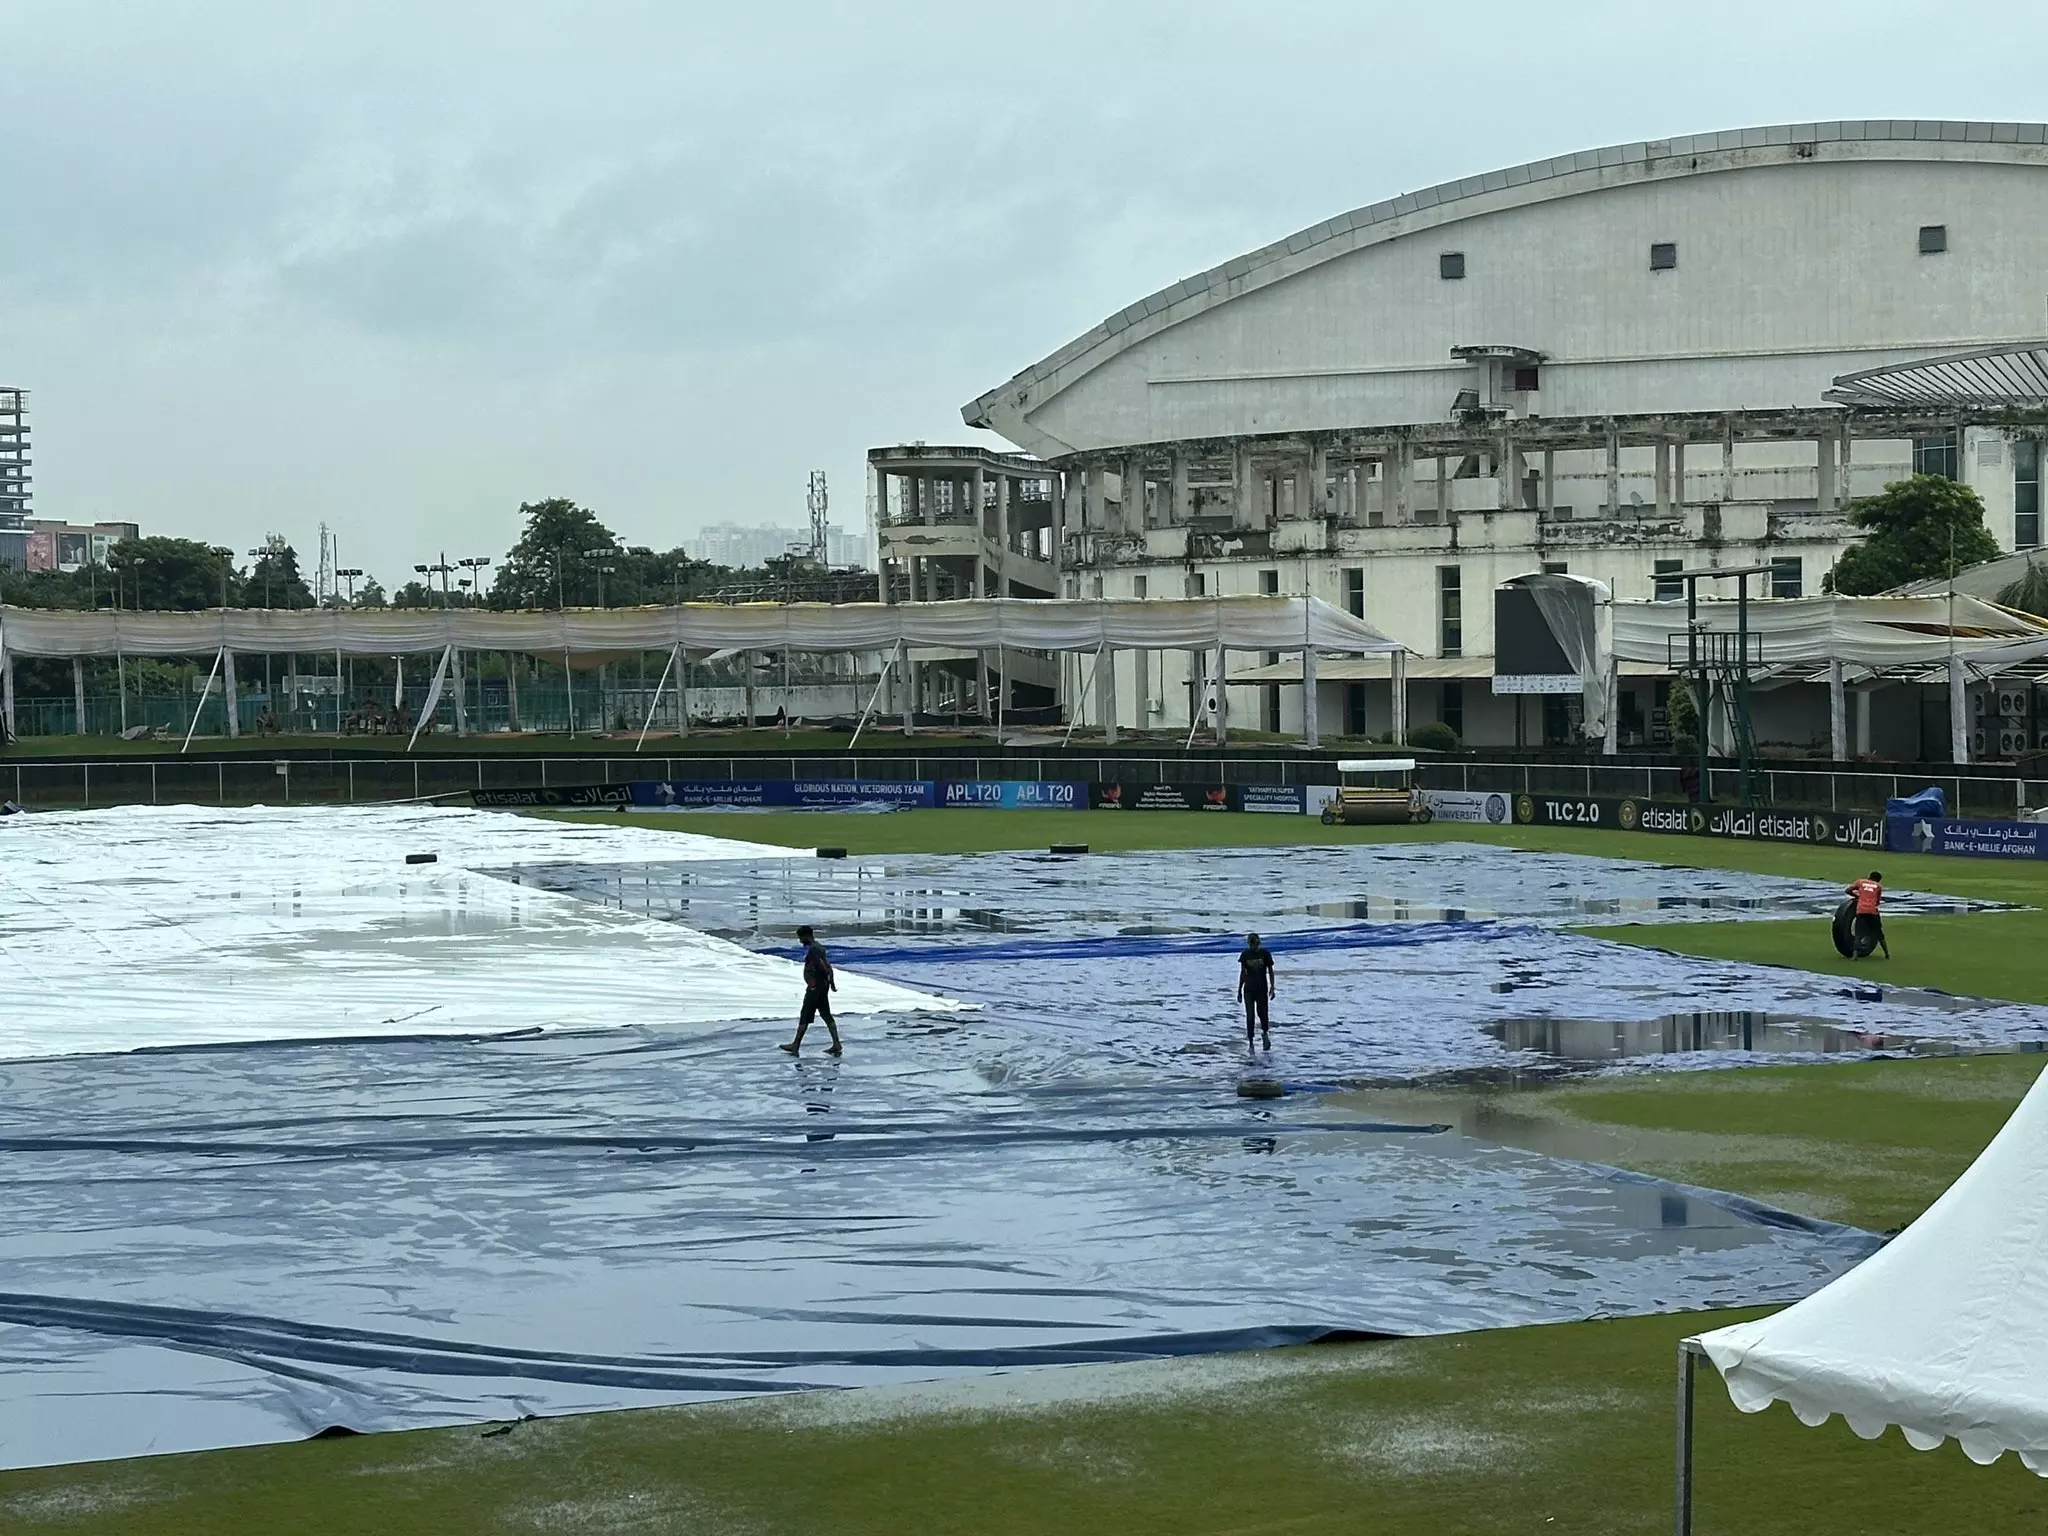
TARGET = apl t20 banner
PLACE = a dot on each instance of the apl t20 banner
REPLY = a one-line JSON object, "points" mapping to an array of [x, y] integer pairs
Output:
{"points": [[1014, 795]]}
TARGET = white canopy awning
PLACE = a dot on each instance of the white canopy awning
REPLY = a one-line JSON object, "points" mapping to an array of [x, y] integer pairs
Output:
{"points": [[1943, 1333], [1867, 631], [1050, 624]]}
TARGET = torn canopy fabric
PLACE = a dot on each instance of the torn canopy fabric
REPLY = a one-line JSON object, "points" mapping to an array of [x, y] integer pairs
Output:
{"points": [[1047, 624], [1944, 1333]]}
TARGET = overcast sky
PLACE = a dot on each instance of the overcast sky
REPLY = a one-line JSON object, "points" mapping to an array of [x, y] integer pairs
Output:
{"points": [[400, 267]]}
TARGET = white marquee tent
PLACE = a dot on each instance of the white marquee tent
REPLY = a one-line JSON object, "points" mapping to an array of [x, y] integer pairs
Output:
{"points": [[1849, 639], [585, 637], [1944, 1332]]}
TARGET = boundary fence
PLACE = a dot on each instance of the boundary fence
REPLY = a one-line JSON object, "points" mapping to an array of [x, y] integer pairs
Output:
{"points": [[298, 779]]}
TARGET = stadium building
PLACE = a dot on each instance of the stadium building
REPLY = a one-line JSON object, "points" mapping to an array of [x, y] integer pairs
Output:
{"points": [[1617, 364]]}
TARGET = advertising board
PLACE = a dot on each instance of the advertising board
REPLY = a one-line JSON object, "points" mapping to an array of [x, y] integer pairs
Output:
{"points": [[1489, 809], [1969, 839], [1753, 824], [1014, 795], [1158, 797], [588, 796], [1282, 799]]}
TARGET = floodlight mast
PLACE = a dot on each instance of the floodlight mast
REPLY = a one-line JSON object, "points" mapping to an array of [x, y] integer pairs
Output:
{"points": [[1696, 671]]}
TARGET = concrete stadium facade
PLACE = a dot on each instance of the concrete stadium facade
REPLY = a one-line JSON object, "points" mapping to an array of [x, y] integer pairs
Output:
{"points": [[1615, 362]]}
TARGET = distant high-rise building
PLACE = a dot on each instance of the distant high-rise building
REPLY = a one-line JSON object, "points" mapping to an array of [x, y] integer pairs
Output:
{"points": [[14, 465], [741, 547]]}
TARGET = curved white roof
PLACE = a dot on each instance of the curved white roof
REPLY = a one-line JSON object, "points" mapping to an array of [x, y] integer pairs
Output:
{"points": [[1521, 186]]}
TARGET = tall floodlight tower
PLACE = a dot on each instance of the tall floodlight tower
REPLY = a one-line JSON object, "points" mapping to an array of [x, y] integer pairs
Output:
{"points": [[325, 583], [820, 526]]}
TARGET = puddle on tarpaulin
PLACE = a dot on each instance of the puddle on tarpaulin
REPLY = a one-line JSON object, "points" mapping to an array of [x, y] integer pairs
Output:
{"points": [[1596, 1042], [1175, 891]]}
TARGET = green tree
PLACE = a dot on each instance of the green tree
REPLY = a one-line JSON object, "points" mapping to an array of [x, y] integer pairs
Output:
{"points": [[2030, 593], [549, 566], [372, 595], [1921, 527], [44, 589], [274, 580], [172, 575], [414, 594]]}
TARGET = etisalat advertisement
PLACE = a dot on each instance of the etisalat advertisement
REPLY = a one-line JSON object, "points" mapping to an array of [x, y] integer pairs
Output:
{"points": [[1838, 828]]}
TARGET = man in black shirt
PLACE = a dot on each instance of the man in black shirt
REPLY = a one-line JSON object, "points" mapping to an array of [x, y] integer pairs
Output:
{"points": [[1255, 989], [819, 985]]}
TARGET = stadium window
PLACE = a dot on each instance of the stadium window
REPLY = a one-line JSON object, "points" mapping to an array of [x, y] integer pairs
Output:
{"points": [[1450, 266], [1450, 612], [1556, 568], [1269, 583], [1452, 712], [1354, 591], [1138, 585], [1527, 381], [1788, 576], [1668, 589], [1935, 455], [2026, 493], [1198, 585], [1933, 239], [1354, 709], [1663, 255]]}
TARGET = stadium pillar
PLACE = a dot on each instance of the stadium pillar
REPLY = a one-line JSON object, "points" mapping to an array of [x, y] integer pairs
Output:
{"points": [[1727, 459], [1311, 724], [1400, 470], [7, 693], [230, 693], [511, 691], [78, 695], [1182, 510], [1095, 507], [1105, 692], [461, 680], [1548, 501], [1222, 696], [1613, 467], [1398, 696], [1958, 713], [1824, 472], [1002, 535], [1678, 472], [1838, 713], [1315, 483], [1244, 489], [1663, 478]]}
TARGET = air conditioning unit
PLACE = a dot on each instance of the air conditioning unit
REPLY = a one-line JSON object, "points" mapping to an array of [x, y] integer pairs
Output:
{"points": [[2012, 743], [2012, 702], [2022, 703], [1977, 704], [2041, 738], [1977, 742]]}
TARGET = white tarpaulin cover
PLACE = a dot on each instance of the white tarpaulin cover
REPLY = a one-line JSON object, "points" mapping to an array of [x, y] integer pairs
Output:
{"points": [[1052, 624], [1943, 1333], [144, 926], [1865, 631]]}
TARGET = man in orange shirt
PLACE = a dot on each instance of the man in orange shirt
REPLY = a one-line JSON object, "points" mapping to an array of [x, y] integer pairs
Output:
{"points": [[1869, 894]]}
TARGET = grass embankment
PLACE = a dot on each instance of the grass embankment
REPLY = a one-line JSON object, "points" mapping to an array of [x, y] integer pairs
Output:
{"points": [[1527, 1430]]}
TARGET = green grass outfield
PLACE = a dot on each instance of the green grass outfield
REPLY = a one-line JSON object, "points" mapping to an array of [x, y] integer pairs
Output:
{"points": [[1564, 1428]]}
